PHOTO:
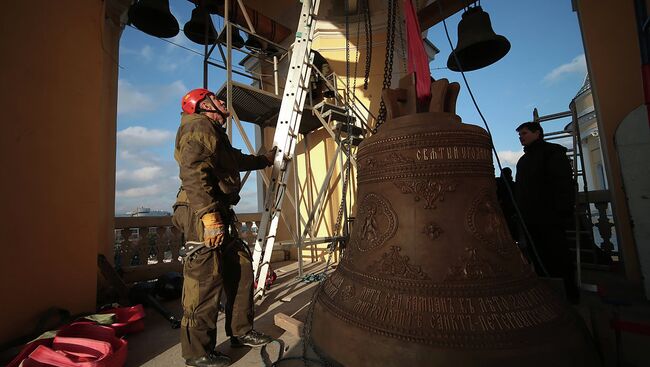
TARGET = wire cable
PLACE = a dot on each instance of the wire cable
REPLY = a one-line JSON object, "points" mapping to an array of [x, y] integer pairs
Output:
{"points": [[199, 53], [494, 150]]}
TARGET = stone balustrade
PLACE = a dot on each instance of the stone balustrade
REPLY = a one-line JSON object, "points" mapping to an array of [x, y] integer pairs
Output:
{"points": [[604, 237], [147, 247]]}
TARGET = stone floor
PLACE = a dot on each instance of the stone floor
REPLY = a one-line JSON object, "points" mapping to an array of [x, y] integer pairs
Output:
{"points": [[158, 345]]}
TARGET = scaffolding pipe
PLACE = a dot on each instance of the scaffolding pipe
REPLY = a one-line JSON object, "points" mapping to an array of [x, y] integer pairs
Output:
{"points": [[226, 20], [275, 76], [245, 13], [553, 116], [576, 213], [296, 186]]}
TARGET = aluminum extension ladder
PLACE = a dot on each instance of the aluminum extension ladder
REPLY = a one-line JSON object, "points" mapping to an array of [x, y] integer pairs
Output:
{"points": [[285, 138]]}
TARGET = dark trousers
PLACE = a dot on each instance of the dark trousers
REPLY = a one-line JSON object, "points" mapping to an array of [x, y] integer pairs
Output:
{"points": [[552, 248], [207, 273]]}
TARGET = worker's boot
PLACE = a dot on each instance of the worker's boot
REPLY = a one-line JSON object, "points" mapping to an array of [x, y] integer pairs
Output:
{"points": [[214, 359], [251, 339]]}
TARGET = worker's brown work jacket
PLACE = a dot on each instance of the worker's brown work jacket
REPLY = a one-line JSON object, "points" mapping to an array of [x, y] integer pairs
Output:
{"points": [[209, 166]]}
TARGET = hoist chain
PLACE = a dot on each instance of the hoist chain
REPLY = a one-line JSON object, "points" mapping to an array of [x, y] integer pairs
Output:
{"points": [[368, 35], [388, 62]]}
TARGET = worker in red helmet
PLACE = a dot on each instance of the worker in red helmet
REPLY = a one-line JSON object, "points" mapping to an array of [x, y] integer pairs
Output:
{"points": [[210, 185]]}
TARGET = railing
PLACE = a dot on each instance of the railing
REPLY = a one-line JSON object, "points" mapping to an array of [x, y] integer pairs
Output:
{"points": [[147, 247], [603, 250]]}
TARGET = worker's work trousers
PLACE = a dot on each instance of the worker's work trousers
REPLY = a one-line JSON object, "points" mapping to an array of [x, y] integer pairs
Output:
{"points": [[206, 273]]}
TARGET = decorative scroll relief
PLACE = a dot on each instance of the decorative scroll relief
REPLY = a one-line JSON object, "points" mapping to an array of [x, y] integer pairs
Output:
{"points": [[373, 162], [487, 224], [395, 265], [367, 163], [419, 316], [377, 223], [432, 230], [395, 157], [472, 267], [454, 153], [429, 190]]}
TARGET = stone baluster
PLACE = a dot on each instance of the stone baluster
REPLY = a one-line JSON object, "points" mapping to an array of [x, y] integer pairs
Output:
{"points": [[143, 246], [249, 236], [122, 247], [176, 243], [162, 244], [604, 227]]}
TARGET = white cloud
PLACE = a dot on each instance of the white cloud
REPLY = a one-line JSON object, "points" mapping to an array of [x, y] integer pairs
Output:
{"points": [[141, 174], [131, 100], [147, 173], [145, 53], [149, 190], [157, 192], [577, 65], [138, 137], [510, 157], [146, 98]]}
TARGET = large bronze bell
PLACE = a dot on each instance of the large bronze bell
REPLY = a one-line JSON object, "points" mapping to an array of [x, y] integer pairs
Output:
{"points": [[478, 46], [431, 276], [153, 17], [195, 28]]}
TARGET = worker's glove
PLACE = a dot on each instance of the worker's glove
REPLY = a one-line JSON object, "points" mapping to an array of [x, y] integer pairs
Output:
{"points": [[270, 156], [214, 230]]}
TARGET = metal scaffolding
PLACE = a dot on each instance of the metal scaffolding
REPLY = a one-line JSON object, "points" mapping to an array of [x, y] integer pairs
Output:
{"points": [[253, 104]]}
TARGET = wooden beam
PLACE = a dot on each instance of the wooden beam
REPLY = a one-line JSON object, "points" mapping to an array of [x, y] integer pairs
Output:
{"points": [[431, 15], [288, 323]]}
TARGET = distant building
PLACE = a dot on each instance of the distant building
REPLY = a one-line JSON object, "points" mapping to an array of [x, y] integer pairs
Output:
{"points": [[589, 138], [147, 212]]}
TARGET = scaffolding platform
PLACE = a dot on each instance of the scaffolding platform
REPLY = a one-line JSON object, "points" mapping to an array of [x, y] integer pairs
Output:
{"points": [[260, 107]]}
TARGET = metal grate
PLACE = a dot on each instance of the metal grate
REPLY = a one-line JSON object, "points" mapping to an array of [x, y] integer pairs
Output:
{"points": [[252, 104]]}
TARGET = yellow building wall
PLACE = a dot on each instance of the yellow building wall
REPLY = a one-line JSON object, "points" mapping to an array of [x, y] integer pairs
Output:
{"points": [[614, 62], [59, 96], [313, 165], [315, 151]]}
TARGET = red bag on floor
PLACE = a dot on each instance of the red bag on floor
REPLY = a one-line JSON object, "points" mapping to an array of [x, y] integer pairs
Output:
{"points": [[28, 349], [80, 345], [129, 319]]}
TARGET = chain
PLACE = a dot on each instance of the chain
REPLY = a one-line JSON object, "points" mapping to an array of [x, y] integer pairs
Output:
{"points": [[388, 62], [356, 66], [347, 51], [368, 34]]}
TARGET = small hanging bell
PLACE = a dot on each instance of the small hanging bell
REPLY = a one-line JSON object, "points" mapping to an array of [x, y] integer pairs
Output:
{"points": [[478, 45], [196, 27], [237, 40], [154, 18]]}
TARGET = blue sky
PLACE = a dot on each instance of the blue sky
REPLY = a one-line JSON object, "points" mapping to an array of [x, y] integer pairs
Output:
{"points": [[544, 68]]}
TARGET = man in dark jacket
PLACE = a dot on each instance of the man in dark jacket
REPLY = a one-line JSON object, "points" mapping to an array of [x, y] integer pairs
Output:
{"points": [[506, 186], [209, 172], [546, 197]]}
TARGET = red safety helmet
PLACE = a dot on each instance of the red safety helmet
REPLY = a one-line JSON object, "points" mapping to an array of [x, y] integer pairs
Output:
{"points": [[192, 99]]}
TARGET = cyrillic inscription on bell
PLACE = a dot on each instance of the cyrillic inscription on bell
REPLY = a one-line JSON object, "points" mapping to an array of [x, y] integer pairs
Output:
{"points": [[431, 276]]}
